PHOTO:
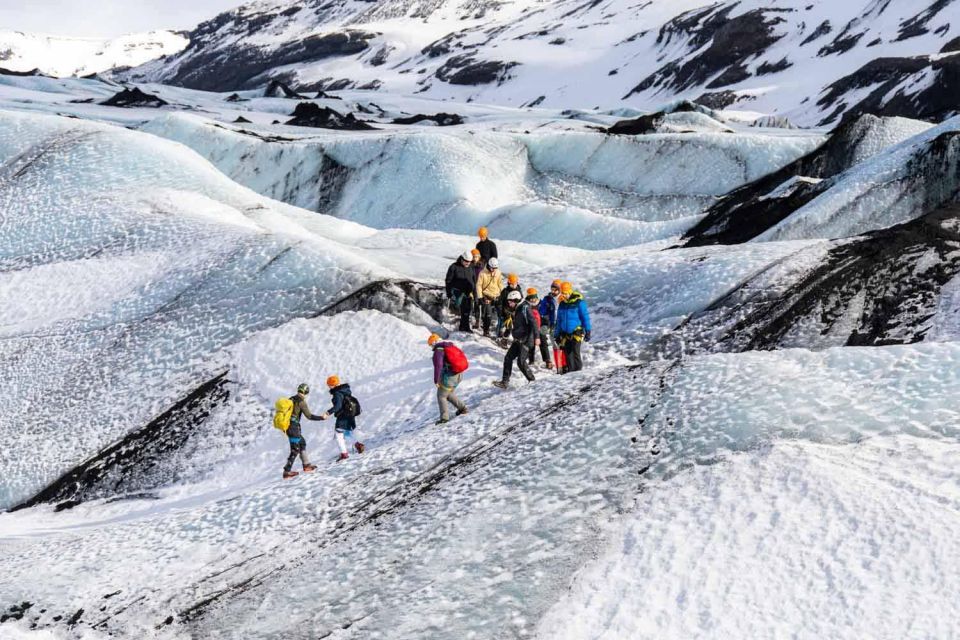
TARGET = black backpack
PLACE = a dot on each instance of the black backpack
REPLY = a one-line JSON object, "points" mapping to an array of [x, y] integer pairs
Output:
{"points": [[351, 408]]}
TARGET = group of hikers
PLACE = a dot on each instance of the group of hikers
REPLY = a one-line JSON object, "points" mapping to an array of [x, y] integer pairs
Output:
{"points": [[482, 299]]}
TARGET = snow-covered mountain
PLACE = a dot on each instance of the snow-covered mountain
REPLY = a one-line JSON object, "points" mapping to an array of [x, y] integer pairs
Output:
{"points": [[61, 56], [810, 61]]}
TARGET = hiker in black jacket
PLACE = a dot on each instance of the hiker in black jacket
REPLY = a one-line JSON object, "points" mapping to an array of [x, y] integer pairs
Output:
{"points": [[486, 247], [525, 335], [461, 286]]}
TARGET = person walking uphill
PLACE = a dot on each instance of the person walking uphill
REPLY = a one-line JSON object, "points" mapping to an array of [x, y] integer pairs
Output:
{"points": [[461, 284], [486, 246], [489, 286], [524, 332], [573, 326], [345, 408], [449, 363], [289, 412]]}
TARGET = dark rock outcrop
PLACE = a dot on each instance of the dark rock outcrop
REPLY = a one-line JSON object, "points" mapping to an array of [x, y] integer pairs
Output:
{"points": [[277, 89], [309, 114], [441, 119], [126, 465], [650, 123], [134, 98], [466, 70]]}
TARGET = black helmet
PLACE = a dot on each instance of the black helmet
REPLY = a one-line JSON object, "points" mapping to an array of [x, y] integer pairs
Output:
{"points": [[304, 388]]}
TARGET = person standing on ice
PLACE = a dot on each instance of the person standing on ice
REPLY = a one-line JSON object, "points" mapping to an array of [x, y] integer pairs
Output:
{"points": [[345, 409], [524, 332], [548, 321], [489, 286], [573, 326], [477, 265], [298, 444], [506, 311], [461, 284], [449, 363], [486, 246], [533, 299]]}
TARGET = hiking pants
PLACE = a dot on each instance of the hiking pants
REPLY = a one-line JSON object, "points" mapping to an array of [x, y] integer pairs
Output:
{"points": [[341, 436], [546, 340], [571, 348], [466, 307], [519, 351], [298, 447], [447, 391], [488, 313]]}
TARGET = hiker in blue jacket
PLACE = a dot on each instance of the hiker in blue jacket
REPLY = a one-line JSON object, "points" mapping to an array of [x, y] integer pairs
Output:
{"points": [[573, 326], [346, 420]]}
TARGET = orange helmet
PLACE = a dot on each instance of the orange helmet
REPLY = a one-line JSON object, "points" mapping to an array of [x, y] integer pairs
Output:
{"points": [[531, 291], [433, 339], [333, 381], [512, 278], [566, 288], [475, 252], [556, 284], [482, 232]]}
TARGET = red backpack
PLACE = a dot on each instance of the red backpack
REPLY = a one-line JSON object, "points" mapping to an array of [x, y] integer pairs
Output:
{"points": [[456, 360]]}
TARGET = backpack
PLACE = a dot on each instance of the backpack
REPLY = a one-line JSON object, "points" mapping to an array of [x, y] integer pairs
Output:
{"points": [[283, 412], [456, 360], [351, 408]]}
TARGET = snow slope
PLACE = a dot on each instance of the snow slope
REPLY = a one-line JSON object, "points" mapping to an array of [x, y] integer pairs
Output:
{"points": [[61, 56], [809, 61]]}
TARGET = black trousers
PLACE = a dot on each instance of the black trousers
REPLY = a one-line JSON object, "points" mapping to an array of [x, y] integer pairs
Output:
{"points": [[520, 352], [298, 449], [571, 348], [488, 315], [466, 308]]}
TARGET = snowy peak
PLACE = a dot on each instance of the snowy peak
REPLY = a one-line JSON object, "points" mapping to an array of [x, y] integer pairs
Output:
{"points": [[62, 57]]}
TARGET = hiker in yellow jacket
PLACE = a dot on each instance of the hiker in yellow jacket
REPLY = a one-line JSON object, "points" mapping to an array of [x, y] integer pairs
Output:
{"points": [[489, 286]]}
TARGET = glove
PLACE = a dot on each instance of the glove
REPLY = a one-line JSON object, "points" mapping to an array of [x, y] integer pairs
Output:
{"points": [[586, 336]]}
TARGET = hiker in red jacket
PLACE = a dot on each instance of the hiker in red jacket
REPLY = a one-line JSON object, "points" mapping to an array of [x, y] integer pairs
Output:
{"points": [[449, 363]]}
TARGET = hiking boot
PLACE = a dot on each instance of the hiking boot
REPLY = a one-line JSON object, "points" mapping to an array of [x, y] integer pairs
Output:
{"points": [[359, 447], [442, 421], [290, 474], [501, 384], [548, 365], [309, 468], [462, 412], [343, 456]]}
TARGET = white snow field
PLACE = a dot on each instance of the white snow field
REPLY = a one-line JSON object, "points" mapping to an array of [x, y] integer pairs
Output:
{"points": [[164, 277]]}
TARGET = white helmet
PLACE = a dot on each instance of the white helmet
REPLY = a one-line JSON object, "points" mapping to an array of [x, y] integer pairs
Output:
{"points": [[466, 255], [493, 263], [514, 296]]}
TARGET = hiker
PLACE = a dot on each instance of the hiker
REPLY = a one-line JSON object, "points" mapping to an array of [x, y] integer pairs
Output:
{"points": [[477, 265], [524, 332], [461, 284], [506, 312], [345, 409], [548, 320], [533, 299], [489, 286], [449, 363], [486, 246], [573, 326], [298, 444]]}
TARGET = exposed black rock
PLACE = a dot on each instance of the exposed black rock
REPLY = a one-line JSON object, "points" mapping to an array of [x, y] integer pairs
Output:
{"points": [[719, 99], [234, 98], [277, 89], [16, 612], [241, 120], [951, 46], [732, 42], [310, 114], [207, 67], [917, 25], [126, 465], [879, 289], [843, 43], [134, 98], [819, 32], [766, 68], [412, 301], [441, 119], [380, 57], [938, 100], [748, 211], [82, 101], [23, 74], [651, 122], [465, 70], [323, 95]]}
